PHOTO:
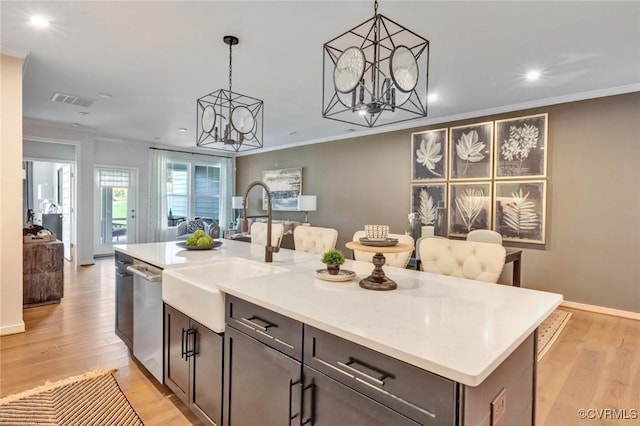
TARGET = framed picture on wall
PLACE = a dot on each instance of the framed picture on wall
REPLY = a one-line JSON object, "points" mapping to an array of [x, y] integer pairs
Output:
{"points": [[425, 200], [285, 185], [469, 207], [471, 151], [520, 210], [521, 147], [429, 155]]}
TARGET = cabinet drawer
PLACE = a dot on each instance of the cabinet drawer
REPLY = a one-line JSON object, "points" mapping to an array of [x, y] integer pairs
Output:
{"points": [[422, 396], [122, 261], [270, 328]]}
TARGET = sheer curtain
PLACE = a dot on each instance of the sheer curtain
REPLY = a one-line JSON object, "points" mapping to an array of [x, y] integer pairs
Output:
{"points": [[157, 224], [227, 167]]}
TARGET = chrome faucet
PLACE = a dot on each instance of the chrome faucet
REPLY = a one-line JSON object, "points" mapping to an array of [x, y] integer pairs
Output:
{"points": [[269, 249]]}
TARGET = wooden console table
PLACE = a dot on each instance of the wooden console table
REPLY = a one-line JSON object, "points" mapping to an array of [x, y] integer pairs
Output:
{"points": [[43, 276]]}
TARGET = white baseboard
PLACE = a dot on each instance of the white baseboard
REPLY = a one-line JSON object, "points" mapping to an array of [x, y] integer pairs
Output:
{"points": [[601, 310], [12, 329]]}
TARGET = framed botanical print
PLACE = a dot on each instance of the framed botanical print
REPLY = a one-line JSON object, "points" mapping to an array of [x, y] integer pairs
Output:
{"points": [[469, 207], [285, 185], [521, 147], [425, 200], [471, 151], [520, 213], [429, 155]]}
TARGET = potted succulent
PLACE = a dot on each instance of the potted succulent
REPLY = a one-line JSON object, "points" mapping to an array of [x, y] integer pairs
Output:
{"points": [[333, 259]]}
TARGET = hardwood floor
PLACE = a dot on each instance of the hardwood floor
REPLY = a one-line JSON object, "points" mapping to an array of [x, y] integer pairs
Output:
{"points": [[76, 336], [594, 364]]}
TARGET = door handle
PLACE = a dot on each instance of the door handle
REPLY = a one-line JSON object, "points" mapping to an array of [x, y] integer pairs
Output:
{"points": [[182, 345], [190, 352], [308, 420], [291, 385], [260, 327]]}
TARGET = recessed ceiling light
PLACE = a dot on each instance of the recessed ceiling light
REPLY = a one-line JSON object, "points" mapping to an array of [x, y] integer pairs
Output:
{"points": [[75, 124], [533, 75], [432, 97], [105, 95], [39, 21], [85, 113], [182, 129], [293, 133]]}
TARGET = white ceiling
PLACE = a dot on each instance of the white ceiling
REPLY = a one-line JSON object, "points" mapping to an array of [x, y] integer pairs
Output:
{"points": [[157, 58]]}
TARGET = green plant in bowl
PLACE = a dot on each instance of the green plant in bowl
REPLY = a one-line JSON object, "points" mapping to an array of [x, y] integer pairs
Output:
{"points": [[333, 259]]}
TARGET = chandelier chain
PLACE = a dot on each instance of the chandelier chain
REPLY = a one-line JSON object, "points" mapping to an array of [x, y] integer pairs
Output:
{"points": [[375, 7], [230, 50]]}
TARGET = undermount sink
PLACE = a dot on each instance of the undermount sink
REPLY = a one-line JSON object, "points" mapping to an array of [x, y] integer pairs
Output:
{"points": [[193, 290]]}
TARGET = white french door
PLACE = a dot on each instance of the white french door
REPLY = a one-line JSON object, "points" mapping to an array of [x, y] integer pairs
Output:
{"points": [[115, 202]]}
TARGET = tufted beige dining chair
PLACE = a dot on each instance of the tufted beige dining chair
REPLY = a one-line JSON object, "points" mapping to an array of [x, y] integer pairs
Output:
{"points": [[484, 236], [464, 259], [259, 233], [400, 260], [314, 239]]}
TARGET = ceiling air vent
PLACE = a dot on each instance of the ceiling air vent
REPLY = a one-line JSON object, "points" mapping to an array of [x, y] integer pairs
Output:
{"points": [[71, 100]]}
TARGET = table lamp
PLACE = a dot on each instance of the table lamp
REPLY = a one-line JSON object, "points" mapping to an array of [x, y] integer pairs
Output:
{"points": [[306, 204], [236, 204]]}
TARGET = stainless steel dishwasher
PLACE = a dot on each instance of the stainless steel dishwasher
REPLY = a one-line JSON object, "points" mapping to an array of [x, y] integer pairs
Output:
{"points": [[147, 317]]}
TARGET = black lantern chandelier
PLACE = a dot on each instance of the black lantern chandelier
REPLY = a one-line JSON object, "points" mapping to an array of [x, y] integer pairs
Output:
{"points": [[228, 120], [375, 74]]}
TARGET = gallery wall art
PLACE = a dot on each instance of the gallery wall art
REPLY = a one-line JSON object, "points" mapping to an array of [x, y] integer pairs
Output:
{"points": [[429, 155], [489, 175], [520, 214], [471, 149], [425, 200], [521, 147]]}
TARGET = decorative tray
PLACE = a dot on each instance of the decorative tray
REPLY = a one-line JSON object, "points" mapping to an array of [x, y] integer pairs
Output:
{"points": [[343, 275], [184, 245], [379, 243]]}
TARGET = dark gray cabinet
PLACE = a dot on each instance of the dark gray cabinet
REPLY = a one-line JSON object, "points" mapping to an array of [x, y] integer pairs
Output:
{"points": [[263, 366], [424, 397], [327, 402], [262, 384], [193, 365], [124, 299]]}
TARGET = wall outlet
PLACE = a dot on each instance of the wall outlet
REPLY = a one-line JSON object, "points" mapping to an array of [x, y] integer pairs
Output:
{"points": [[498, 406]]}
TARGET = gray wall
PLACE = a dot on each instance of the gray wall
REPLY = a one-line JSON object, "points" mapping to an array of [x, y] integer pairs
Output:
{"points": [[592, 253]]}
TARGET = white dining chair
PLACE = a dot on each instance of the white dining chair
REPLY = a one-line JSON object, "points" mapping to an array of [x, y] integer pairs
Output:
{"points": [[484, 236], [314, 239], [259, 233], [399, 260], [464, 259]]}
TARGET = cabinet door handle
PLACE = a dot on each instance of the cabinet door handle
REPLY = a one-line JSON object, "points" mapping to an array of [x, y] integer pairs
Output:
{"points": [[190, 351], [118, 274], [260, 327], [309, 420], [291, 385], [377, 380], [182, 349]]}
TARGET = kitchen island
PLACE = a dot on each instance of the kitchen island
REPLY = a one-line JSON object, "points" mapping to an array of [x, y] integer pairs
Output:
{"points": [[474, 343]]}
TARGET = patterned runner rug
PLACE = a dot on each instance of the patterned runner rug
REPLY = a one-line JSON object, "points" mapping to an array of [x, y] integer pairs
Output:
{"points": [[550, 329], [93, 398]]}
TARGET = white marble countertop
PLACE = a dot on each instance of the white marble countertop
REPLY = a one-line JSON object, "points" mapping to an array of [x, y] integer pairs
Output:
{"points": [[457, 328], [168, 254]]}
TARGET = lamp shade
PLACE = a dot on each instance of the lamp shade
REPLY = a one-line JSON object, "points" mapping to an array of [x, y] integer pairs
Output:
{"points": [[307, 203], [236, 202]]}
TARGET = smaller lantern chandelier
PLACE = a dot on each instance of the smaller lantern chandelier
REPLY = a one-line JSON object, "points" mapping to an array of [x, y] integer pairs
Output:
{"points": [[228, 120], [375, 74]]}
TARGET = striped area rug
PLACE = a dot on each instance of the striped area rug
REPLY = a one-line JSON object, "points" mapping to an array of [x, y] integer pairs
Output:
{"points": [[93, 398], [550, 329]]}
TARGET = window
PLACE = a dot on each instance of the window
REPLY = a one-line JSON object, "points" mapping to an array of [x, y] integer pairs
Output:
{"points": [[193, 190]]}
